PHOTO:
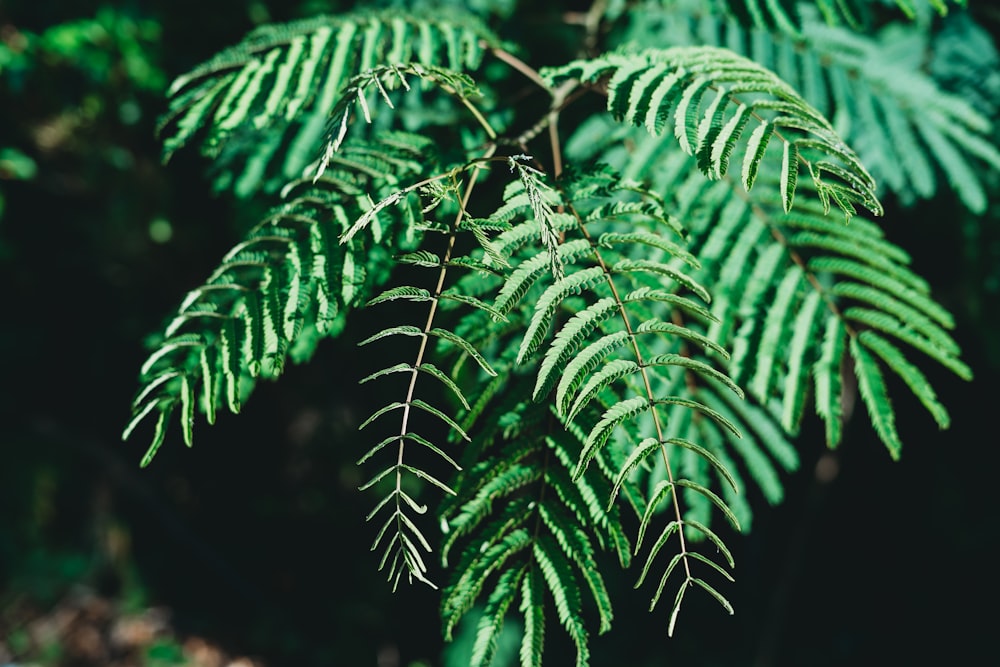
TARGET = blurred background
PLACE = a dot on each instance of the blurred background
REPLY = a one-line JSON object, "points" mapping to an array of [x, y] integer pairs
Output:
{"points": [[251, 548]]}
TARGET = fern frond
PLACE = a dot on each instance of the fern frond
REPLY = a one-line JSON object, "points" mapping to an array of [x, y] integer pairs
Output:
{"points": [[405, 555], [549, 301], [664, 491], [890, 325], [568, 340], [744, 441], [846, 265], [558, 576], [533, 611], [536, 495], [920, 119], [780, 275], [595, 351], [764, 450], [776, 16], [912, 135], [576, 546], [828, 380], [583, 497], [873, 391], [491, 622], [273, 296], [528, 272], [476, 568], [504, 479], [620, 396], [262, 105], [646, 88], [965, 61], [910, 374]]}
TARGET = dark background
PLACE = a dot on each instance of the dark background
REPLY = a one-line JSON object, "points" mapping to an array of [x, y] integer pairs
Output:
{"points": [[255, 540]]}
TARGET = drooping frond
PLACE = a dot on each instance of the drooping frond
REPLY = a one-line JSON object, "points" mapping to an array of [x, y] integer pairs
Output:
{"points": [[262, 106], [912, 135], [289, 283], [580, 362], [715, 101], [611, 308], [401, 553], [910, 132], [781, 279], [528, 533]]}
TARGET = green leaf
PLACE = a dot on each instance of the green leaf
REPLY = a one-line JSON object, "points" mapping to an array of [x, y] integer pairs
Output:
{"points": [[716, 500], [717, 541], [669, 531], [418, 403], [827, 373], [756, 147], [491, 622], [676, 609], [465, 346], [547, 304], [695, 366], [533, 610], [660, 493], [911, 375], [401, 292], [715, 594], [789, 174], [634, 458], [568, 339], [584, 362], [624, 410], [612, 371], [402, 330], [876, 398]]}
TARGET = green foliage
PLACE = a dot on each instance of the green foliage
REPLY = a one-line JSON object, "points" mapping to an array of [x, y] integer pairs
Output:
{"points": [[605, 319], [910, 132], [112, 45], [284, 80], [276, 293], [14, 166], [787, 18]]}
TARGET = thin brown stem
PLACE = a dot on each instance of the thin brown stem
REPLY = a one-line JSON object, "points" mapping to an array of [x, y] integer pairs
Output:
{"points": [[521, 66], [559, 97]]}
